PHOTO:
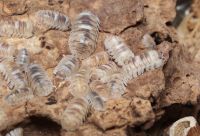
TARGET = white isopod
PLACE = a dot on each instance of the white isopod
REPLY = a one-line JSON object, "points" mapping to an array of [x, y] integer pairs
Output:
{"points": [[66, 67], [16, 28], [75, 114], [23, 58], [117, 48], [51, 20], [84, 35], [15, 132], [39, 80]]}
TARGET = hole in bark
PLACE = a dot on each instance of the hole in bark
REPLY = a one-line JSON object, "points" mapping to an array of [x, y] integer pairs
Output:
{"points": [[41, 126]]}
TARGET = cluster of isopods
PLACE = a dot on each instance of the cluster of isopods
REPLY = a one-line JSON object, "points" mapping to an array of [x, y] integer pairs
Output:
{"points": [[93, 78]]}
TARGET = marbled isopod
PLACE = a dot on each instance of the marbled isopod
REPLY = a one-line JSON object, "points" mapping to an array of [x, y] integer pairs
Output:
{"points": [[67, 66], [147, 61], [5, 72], [16, 28], [19, 96], [117, 48], [79, 83], [75, 114], [97, 59], [51, 20], [15, 132], [95, 100], [84, 35], [7, 51], [23, 58], [39, 80]]}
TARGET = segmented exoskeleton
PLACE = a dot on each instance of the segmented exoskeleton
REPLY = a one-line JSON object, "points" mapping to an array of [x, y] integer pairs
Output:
{"points": [[7, 51], [16, 28], [15, 132], [148, 41], [147, 61], [51, 20], [119, 51], [23, 58], [84, 35], [95, 100], [39, 80], [104, 72], [75, 114], [97, 59], [79, 83], [17, 79], [66, 67], [19, 96]]}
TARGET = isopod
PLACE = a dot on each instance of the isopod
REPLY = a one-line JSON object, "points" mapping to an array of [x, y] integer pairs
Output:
{"points": [[75, 114], [147, 61], [15, 132], [148, 41], [117, 48], [16, 28], [19, 96], [51, 20], [23, 58], [7, 51], [84, 35], [5, 71], [66, 67], [97, 59], [79, 83], [103, 72], [39, 80], [95, 100]]}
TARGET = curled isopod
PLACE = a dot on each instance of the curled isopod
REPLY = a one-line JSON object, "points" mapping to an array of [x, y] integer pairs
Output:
{"points": [[79, 83], [148, 41], [7, 51], [16, 28], [51, 20], [66, 67], [39, 80], [23, 58], [97, 59], [103, 72], [15, 132], [19, 96], [95, 100], [17, 79], [84, 35], [117, 48], [75, 114]]}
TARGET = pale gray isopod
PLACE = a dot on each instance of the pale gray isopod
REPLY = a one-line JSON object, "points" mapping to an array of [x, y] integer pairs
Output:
{"points": [[23, 58], [15, 132]]}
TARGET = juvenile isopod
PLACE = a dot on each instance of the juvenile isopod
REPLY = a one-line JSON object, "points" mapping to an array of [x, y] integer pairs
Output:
{"points": [[75, 114], [84, 35], [7, 51], [39, 80], [147, 61], [15, 132], [23, 58], [95, 100], [97, 59], [117, 48], [19, 96], [51, 20], [66, 67], [16, 28], [79, 83]]}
